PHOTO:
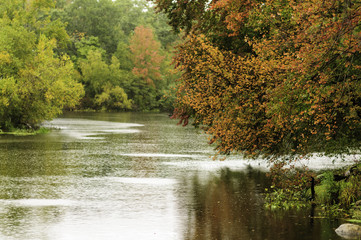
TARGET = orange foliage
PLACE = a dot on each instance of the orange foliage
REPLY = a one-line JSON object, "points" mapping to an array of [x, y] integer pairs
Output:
{"points": [[227, 97], [146, 55], [298, 89], [235, 12]]}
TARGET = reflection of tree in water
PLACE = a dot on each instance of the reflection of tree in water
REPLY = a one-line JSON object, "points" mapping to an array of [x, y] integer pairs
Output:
{"points": [[227, 206], [230, 206]]}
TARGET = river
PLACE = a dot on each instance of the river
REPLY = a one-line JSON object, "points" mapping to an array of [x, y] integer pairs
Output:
{"points": [[136, 176]]}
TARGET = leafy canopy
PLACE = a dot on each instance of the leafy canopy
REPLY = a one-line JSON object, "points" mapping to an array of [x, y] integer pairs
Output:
{"points": [[271, 77], [35, 84]]}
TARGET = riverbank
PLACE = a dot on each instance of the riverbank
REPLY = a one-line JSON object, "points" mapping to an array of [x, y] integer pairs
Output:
{"points": [[25, 132], [335, 193]]}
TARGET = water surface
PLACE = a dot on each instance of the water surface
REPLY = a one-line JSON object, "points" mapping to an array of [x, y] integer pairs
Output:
{"points": [[136, 176]]}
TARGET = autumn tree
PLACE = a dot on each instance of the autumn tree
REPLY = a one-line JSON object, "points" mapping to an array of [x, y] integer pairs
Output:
{"points": [[271, 77], [146, 55]]}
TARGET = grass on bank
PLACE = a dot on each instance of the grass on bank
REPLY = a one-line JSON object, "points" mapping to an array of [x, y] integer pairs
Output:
{"points": [[25, 132]]}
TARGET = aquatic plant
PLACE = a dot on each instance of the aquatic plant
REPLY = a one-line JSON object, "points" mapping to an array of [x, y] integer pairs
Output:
{"points": [[337, 191], [284, 199]]}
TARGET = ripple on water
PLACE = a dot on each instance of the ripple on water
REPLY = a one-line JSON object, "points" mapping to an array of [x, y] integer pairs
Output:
{"points": [[37, 202], [88, 129], [162, 155]]}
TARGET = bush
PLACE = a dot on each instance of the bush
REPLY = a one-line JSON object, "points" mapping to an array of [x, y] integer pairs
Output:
{"points": [[113, 99]]}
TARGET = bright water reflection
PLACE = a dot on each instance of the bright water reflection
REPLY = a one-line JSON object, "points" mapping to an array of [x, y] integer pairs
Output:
{"points": [[135, 176]]}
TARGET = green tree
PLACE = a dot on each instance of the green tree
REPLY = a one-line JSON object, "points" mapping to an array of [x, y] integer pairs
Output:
{"points": [[132, 14], [103, 83], [113, 98], [35, 84], [124, 55], [95, 73], [47, 86], [99, 19], [83, 45]]}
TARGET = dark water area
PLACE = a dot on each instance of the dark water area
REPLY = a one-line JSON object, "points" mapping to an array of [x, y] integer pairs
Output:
{"points": [[136, 176]]}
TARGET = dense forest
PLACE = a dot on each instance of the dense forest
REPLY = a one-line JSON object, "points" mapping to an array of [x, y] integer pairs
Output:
{"points": [[85, 55], [262, 77]]}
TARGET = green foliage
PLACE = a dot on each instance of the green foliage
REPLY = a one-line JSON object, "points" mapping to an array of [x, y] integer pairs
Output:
{"points": [[35, 83], [84, 45], [289, 187], [113, 21], [350, 191], [144, 96], [354, 220], [103, 82], [356, 214], [47, 85], [335, 198], [322, 195], [16, 45], [124, 55], [332, 211], [344, 192], [26, 132], [48, 89], [95, 73], [284, 199], [95, 18], [113, 98], [9, 102], [38, 80], [167, 100], [331, 189]]}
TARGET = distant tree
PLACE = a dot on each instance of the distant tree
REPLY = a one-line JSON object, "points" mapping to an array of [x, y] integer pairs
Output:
{"points": [[146, 55], [85, 44], [132, 14], [100, 19], [110, 27], [123, 53], [113, 98], [103, 83], [95, 73]]}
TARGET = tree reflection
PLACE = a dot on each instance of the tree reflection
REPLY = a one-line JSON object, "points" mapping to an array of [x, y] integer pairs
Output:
{"points": [[229, 205], [222, 207]]}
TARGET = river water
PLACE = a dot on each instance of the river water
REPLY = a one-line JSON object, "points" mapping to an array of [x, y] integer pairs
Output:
{"points": [[136, 176]]}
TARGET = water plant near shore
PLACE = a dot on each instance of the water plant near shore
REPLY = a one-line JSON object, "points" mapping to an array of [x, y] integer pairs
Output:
{"points": [[337, 195]]}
